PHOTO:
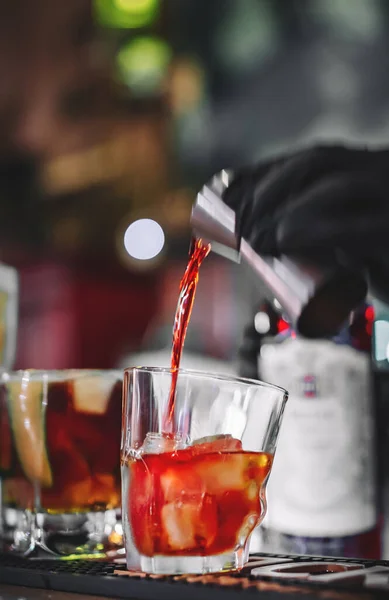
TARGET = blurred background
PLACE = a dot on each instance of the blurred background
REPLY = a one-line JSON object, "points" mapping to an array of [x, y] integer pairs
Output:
{"points": [[113, 113]]}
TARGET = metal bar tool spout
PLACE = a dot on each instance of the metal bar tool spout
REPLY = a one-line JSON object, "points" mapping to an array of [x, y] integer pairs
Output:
{"points": [[317, 301]]}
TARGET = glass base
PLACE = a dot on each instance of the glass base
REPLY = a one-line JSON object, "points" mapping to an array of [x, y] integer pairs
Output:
{"points": [[76, 536], [17, 531], [194, 565]]}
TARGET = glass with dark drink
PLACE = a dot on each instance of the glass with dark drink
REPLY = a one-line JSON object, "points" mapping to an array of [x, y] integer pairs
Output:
{"points": [[59, 461]]}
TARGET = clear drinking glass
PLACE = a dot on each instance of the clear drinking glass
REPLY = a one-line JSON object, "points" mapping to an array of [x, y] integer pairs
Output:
{"points": [[60, 461], [192, 497]]}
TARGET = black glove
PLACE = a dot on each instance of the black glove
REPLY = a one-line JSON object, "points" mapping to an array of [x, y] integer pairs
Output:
{"points": [[327, 204]]}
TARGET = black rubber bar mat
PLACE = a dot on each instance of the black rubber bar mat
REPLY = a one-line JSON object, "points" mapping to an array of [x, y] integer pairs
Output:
{"points": [[268, 577]]}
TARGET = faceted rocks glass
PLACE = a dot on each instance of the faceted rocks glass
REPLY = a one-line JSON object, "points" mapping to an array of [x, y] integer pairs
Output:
{"points": [[194, 479]]}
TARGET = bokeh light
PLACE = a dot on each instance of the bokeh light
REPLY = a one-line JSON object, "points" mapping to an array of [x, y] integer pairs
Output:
{"points": [[143, 62], [126, 14], [144, 239]]}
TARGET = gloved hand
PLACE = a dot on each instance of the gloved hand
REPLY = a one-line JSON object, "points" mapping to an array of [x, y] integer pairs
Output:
{"points": [[327, 204]]}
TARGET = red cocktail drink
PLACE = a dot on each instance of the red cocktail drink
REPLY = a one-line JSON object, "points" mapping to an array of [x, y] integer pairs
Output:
{"points": [[190, 503], [199, 501]]}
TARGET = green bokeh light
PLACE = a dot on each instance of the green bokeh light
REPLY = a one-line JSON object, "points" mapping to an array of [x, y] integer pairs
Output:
{"points": [[126, 14], [142, 63]]}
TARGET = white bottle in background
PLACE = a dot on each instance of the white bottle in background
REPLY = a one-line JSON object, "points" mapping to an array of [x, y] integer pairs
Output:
{"points": [[322, 490]]}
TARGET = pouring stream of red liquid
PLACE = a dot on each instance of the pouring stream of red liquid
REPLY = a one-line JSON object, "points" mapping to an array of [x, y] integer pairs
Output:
{"points": [[198, 251]]}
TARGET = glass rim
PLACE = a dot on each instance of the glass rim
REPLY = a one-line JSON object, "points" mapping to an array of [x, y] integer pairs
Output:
{"points": [[216, 376], [57, 374]]}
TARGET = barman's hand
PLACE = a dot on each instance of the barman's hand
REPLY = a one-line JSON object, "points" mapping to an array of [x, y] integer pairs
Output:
{"points": [[328, 204]]}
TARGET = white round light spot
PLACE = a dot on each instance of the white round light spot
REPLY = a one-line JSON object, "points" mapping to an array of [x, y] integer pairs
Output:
{"points": [[262, 322], [144, 239]]}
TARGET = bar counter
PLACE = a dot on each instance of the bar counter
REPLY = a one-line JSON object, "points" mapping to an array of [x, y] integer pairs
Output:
{"points": [[269, 577]]}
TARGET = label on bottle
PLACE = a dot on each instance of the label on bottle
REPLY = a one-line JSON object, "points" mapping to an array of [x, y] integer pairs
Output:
{"points": [[323, 477]]}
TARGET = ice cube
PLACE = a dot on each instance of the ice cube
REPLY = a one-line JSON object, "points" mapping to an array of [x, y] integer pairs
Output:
{"points": [[157, 443], [190, 523], [181, 481], [91, 394], [224, 472], [189, 515], [230, 472], [216, 443]]}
